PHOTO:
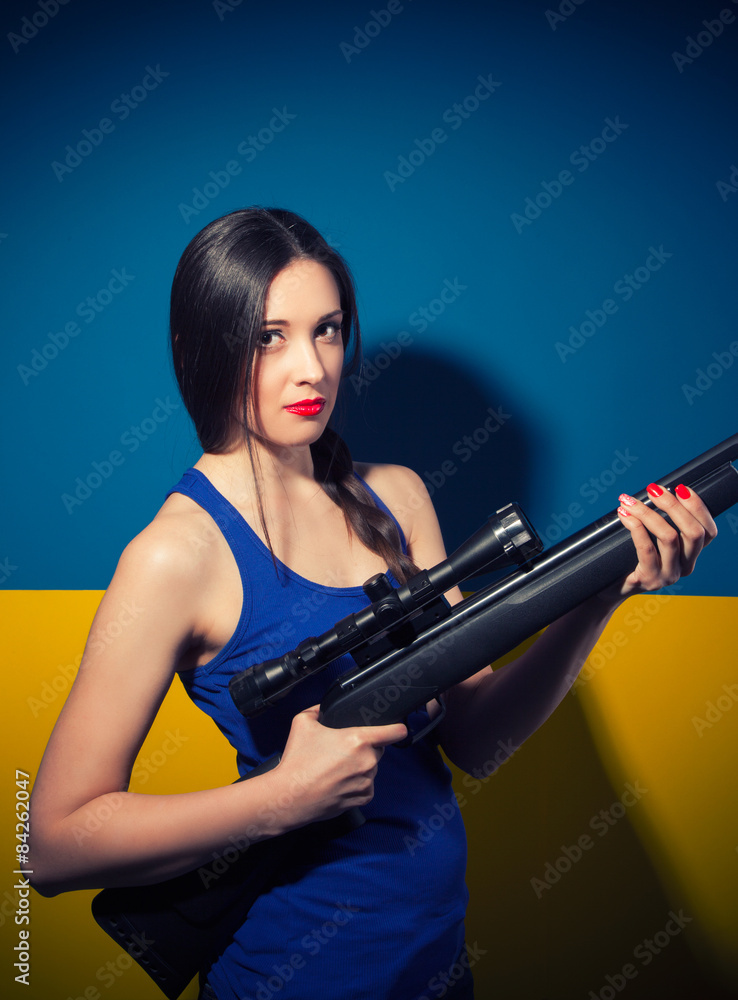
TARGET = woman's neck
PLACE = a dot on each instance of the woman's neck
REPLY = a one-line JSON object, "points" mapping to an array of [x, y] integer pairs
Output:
{"points": [[279, 473]]}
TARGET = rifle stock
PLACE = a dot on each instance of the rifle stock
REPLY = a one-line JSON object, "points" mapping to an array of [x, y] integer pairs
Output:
{"points": [[184, 927]]}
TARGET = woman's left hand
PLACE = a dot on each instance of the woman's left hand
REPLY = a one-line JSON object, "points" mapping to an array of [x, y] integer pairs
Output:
{"points": [[675, 550]]}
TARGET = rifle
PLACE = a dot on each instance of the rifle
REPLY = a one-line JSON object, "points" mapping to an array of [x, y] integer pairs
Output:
{"points": [[176, 928]]}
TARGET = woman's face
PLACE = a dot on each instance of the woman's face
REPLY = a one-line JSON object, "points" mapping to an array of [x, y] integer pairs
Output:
{"points": [[297, 369]]}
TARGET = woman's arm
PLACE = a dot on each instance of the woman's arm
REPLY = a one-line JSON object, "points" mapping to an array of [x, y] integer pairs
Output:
{"points": [[490, 714], [87, 829]]}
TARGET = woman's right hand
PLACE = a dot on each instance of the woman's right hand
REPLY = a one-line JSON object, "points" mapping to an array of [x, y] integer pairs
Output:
{"points": [[324, 772]]}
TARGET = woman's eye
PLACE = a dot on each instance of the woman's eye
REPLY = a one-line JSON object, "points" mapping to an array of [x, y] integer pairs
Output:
{"points": [[329, 331], [269, 338]]}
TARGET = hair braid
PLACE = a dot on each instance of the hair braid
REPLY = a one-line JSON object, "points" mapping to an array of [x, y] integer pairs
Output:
{"points": [[372, 526]]}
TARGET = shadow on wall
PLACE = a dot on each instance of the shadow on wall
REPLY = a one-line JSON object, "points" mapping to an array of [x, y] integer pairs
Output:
{"points": [[469, 443]]}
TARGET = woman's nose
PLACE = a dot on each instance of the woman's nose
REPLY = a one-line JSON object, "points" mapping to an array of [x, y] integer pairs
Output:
{"points": [[307, 364]]}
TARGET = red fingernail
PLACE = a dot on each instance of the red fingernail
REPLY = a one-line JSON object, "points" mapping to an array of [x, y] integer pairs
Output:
{"points": [[623, 512], [654, 490], [629, 501], [682, 492]]}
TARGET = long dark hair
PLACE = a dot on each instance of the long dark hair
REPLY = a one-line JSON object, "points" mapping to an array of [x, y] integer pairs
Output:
{"points": [[218, 301]]}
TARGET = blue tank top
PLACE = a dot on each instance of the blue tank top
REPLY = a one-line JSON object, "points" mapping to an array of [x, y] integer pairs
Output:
{"points": [[376, 913]]}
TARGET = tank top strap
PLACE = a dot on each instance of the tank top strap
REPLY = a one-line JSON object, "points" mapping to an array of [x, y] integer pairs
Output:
{"points": [[236, 531]]}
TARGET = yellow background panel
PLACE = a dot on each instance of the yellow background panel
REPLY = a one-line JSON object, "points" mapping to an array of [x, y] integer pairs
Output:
{"points": [[670, 715], [543, 921]]}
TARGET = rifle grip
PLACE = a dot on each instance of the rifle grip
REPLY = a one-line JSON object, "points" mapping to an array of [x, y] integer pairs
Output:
{"points": [[350, 820], [347, 821]]}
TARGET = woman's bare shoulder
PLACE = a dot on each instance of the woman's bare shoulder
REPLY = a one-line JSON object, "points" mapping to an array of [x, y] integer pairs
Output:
{"points": [[405, 493], [166, 572], [394, 480], [401, 489], [180, 541]]}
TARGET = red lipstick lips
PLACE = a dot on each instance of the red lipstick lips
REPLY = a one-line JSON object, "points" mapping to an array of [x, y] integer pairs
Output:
{"points": [[307, 407]]}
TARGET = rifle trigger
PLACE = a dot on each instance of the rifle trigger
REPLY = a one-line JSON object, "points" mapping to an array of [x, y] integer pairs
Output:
{"points": [[415, 735]]}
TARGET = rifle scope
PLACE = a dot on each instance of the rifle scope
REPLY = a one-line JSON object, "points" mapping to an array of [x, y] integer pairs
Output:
{"points": [[506, 538]]}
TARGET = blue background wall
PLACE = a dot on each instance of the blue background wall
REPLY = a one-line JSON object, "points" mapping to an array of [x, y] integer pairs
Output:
{"points": [[357, 110], [93, 434]]}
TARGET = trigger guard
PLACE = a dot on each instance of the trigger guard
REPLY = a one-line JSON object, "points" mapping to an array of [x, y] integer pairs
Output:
{"points": [[414, 735]]}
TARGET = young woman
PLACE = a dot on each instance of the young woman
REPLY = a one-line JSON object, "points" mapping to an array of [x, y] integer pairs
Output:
{"points": [[266, 540]]}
